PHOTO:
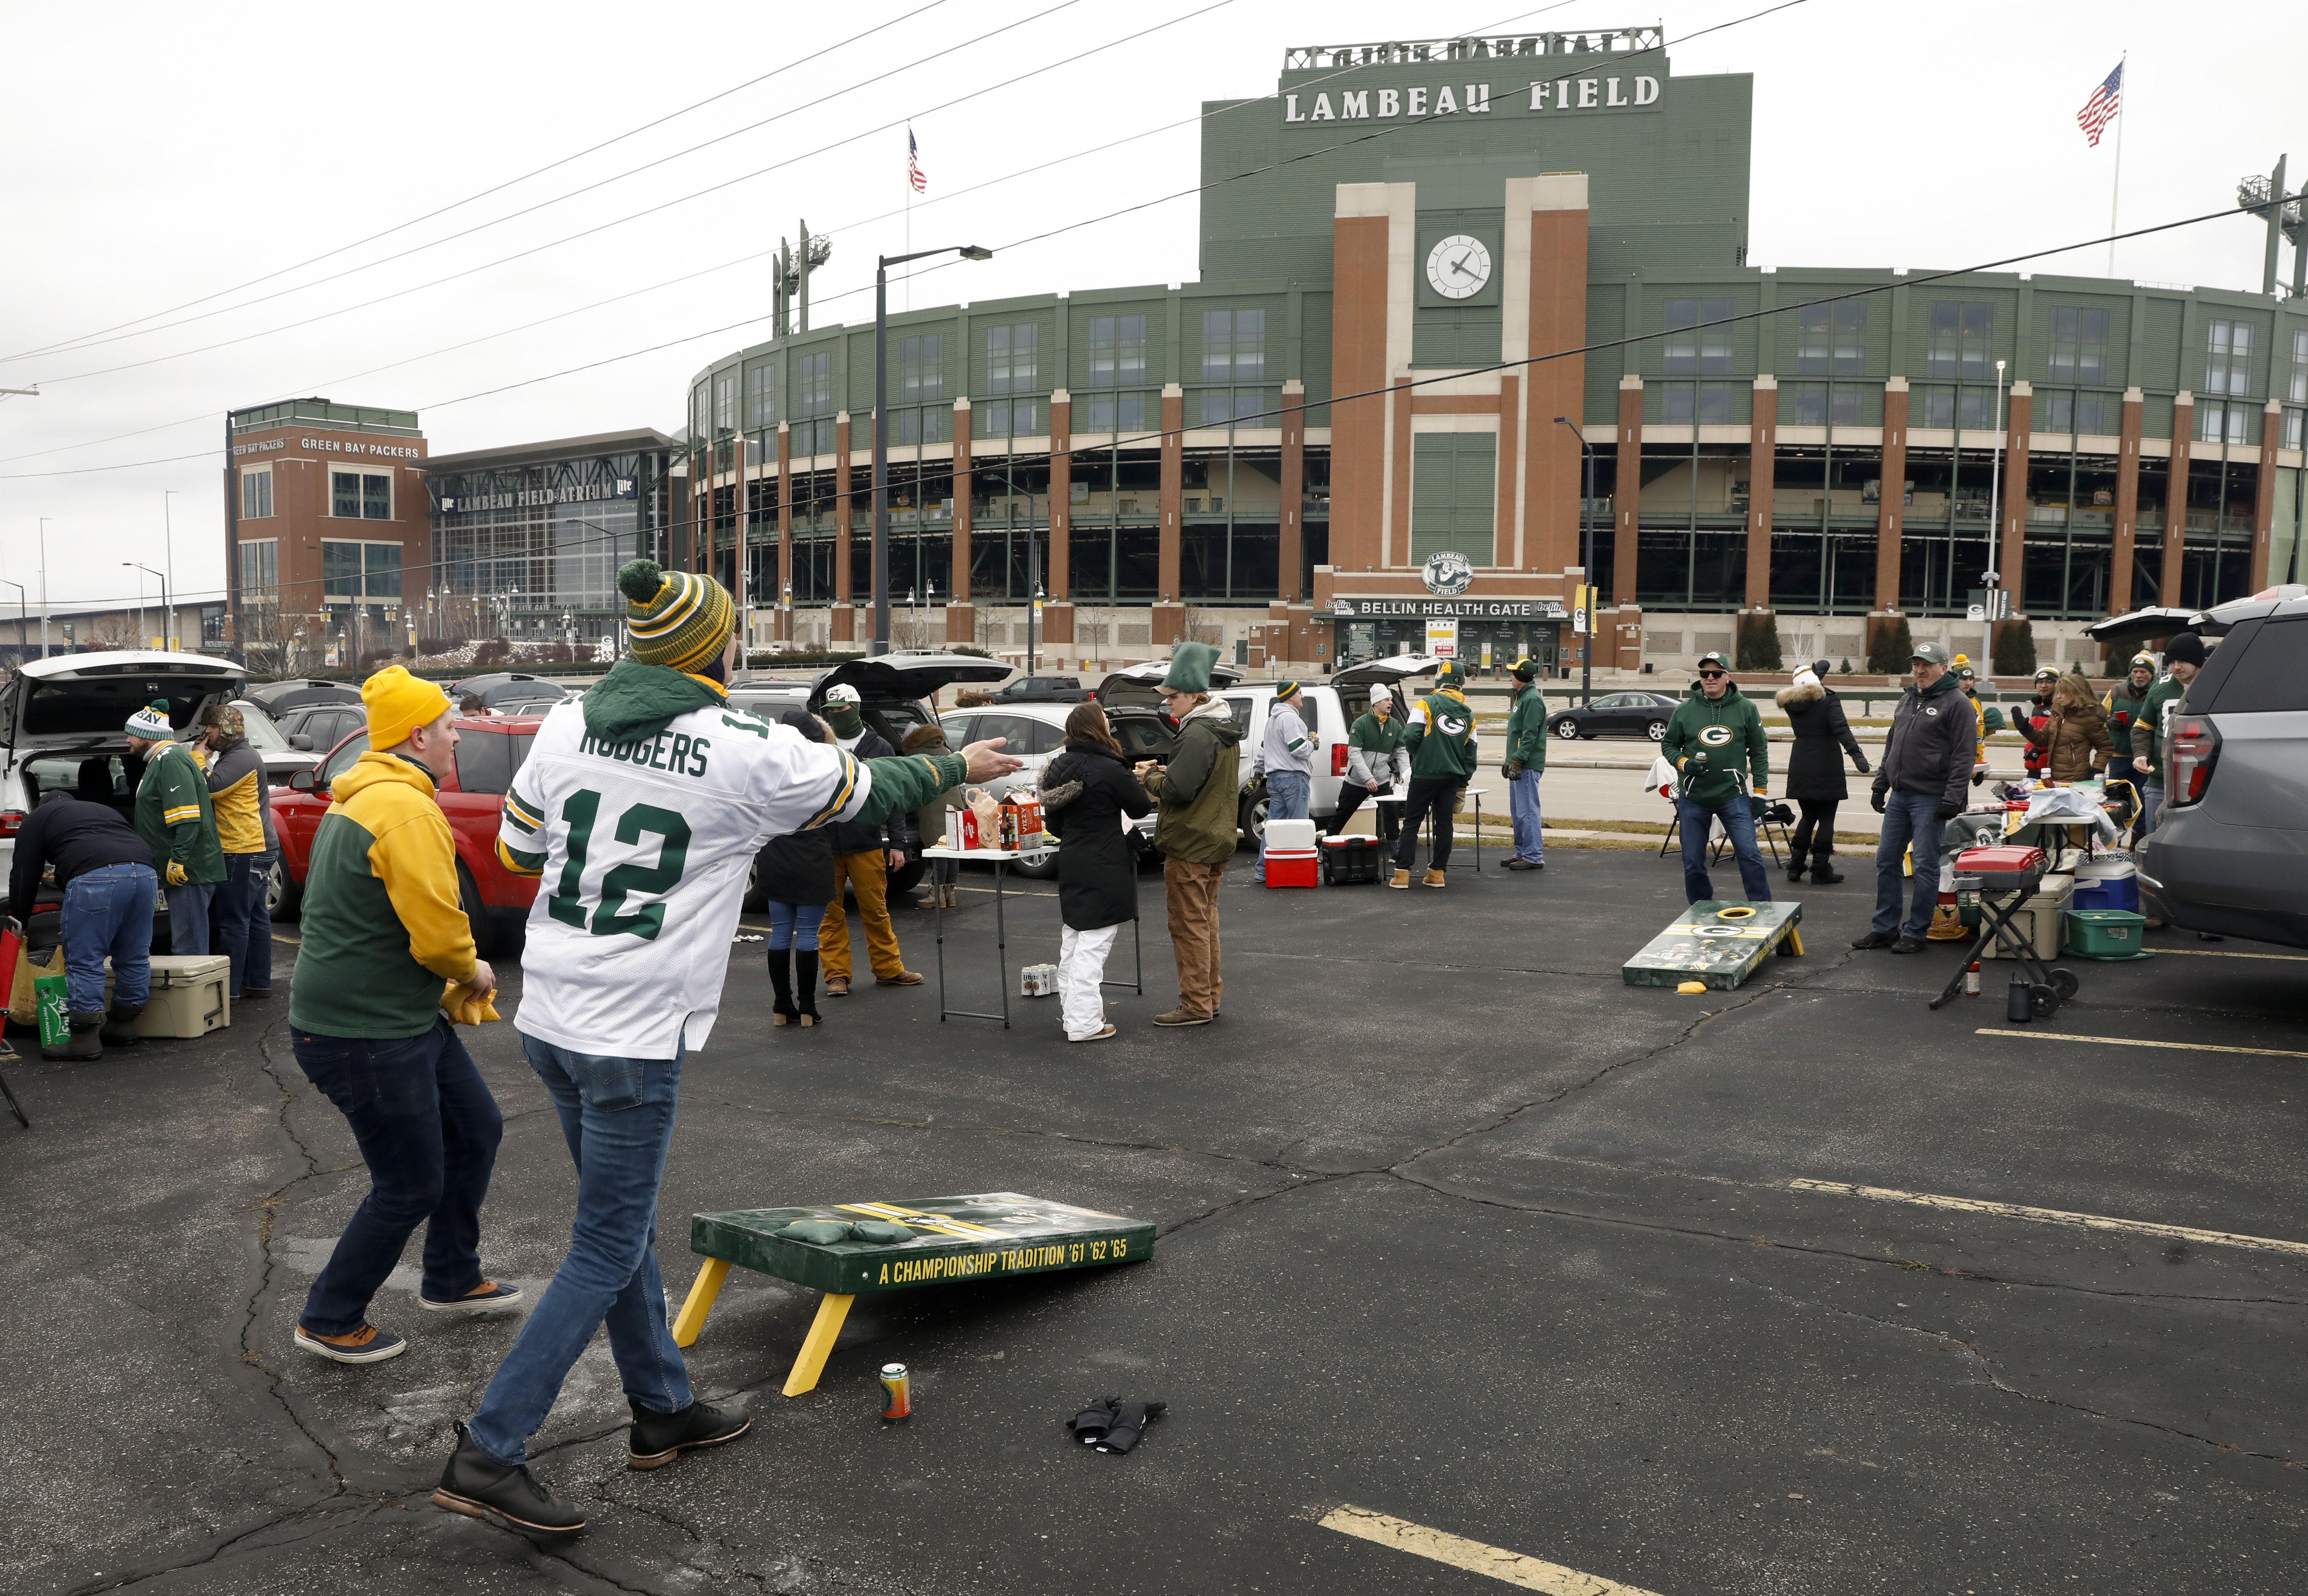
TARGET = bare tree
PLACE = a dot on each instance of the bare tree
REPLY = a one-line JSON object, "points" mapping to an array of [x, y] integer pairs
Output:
{"points": [[1204, 625], [114, 634]]}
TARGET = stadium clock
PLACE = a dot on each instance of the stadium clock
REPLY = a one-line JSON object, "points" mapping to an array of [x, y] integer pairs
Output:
{"points": [[1458, 266]]}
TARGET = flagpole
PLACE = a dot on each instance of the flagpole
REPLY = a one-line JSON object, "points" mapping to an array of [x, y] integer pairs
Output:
{"points": [[910, 202], [2115, 188]]}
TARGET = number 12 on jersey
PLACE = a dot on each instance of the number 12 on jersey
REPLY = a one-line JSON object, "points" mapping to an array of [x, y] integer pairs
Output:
{"points": [[580, 812]]}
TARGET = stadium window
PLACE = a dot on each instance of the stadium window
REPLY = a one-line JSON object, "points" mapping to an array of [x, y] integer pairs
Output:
{"points": [[814, 384], [361, 496], [1234, 345], [725, 400], [762, 394], [1937, 406], [1011, 364], [1679, 350], [1850, 337], [1114, 412], [257, 493], [2299, 391], [2079, 345], [2228, 363], [260, 567], [1976, 410], [1117, 350], [2293, 429], [1715, 403], [921, 368], [1805, 405], [1962, 336], [1844, 405], [1831, 338]]}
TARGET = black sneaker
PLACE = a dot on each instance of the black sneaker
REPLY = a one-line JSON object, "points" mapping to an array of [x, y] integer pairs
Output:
{"points": [[478, 1487], [1873, 939], [658, 1438], [1909, 944], [487, 1294]]}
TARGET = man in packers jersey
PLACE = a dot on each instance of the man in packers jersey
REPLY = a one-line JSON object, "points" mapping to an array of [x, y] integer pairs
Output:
{"points": [[640, 807], [1439, 739]]}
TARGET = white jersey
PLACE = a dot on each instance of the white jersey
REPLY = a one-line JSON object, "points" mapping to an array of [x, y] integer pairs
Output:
{"points": [[643, 850]]}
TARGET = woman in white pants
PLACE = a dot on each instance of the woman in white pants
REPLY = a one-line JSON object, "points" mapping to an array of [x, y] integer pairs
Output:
{"points": [[1088, 794]]}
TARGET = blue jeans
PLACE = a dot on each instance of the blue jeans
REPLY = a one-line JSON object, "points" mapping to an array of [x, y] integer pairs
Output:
{"points": [[794, 925], [1697, 821], [188, 920], [617, 1114], [256, 971], [108, 912], [228, 914], [429, 1131], [1522, 803], [1911, 824], [1287, 796], [2151, 804]]}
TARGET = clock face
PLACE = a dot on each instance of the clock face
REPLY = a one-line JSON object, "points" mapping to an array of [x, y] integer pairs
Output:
{"points": [[1458, 266]]}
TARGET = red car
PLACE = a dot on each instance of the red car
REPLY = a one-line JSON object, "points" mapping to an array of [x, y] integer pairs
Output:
{"points": [[490, 750]]}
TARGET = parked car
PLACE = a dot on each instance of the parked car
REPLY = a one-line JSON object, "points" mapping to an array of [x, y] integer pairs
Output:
{"points": [[509, 692], [1043, 689], [1615, 714], [296, 692], [2229, 853], [897, 693], [314, 728], [472, 789], [281, 758]]}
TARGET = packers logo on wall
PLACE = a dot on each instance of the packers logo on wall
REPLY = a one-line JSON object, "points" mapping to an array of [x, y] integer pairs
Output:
{"points": [[1715, 737]]}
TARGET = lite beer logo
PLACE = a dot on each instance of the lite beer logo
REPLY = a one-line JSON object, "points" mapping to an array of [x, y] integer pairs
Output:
{"points": [[1448, 573], [1715, 737]]}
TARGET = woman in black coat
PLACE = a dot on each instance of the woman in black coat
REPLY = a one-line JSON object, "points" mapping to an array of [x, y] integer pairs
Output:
{"points": [[1814, 777], [1085, 793], [797, 877]]}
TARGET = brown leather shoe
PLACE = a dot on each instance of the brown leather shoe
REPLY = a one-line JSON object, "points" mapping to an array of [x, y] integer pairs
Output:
{"points": [[1433, 878], [837, 985], [1402, 879], [904, 977], [1183, 1016]]}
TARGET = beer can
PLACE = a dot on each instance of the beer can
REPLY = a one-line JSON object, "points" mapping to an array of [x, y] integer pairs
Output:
{"points": [[897, 1392]]}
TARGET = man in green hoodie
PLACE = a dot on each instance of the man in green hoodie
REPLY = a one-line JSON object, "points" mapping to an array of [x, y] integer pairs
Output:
{"points": [[177, 821], [1441, 741], [1526, 762], [1194, 830], [1711, 733]]}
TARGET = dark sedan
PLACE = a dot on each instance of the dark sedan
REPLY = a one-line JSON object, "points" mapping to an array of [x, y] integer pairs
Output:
{"points": [[1615, 714]]}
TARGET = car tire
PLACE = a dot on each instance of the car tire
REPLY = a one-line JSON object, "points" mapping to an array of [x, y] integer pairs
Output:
{"points": [[284, 899], [1251, 821], [1567, 729], [477, 914], [1656, 731], [908, 875]]}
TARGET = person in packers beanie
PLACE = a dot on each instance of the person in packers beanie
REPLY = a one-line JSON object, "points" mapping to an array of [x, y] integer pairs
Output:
{"points": [[384, 936], [640, 807], [1194, 828], [177, 821], [1441, 740]]}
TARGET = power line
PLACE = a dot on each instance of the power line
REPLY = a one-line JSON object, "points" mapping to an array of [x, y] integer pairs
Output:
{"points": [[86, 339]]}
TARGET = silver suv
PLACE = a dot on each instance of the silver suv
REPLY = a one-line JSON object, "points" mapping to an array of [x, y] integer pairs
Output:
{"points": [[2229, 853]]}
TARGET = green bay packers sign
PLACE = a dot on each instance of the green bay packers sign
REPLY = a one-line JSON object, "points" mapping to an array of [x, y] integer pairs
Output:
{"points": [[931, 1240]]}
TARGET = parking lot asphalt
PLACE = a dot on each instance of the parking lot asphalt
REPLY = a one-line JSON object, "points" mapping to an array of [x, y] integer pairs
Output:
{"points": [[1796, 1289]]}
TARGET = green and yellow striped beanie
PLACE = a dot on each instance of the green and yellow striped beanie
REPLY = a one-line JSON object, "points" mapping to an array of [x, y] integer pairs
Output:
{"points": [[675, 617]]}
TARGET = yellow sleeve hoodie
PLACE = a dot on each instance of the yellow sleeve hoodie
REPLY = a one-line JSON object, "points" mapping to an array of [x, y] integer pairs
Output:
{"points": [[384, 925]]}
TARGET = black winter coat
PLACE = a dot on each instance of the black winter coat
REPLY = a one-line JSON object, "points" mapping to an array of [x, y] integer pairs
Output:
{"points": [[798, 869], [1085, 793], [853, 836], [1822, 737]]}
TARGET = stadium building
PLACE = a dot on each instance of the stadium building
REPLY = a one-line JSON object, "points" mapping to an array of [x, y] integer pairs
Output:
{"points": [[1359, 429]]}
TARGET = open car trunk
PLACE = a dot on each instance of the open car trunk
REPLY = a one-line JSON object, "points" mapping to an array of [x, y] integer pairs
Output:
{"points": [[82, 700], [883, 678]]}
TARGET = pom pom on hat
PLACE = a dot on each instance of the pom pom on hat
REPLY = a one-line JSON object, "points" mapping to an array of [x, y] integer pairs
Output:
{"points": [[640, 580], [676, 619]]}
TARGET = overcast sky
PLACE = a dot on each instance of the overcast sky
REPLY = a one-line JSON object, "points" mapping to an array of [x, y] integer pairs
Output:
{"points": [[188, 149]]}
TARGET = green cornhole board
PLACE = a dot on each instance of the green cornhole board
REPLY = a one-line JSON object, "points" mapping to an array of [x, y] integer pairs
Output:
{"points": [[1721, 950], [954, 1238]]}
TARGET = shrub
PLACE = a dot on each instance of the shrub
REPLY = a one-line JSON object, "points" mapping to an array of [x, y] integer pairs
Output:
{"points": [[1759, 642], [2015, 649], [1888, 644], [493, 652]]}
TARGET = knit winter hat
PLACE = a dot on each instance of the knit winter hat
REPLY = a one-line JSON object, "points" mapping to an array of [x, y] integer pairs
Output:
{"points": [[1285, 691], [2185, 648], [676, 619], [151, 723], [1190, 667], [398, 703], [1805, 679]]}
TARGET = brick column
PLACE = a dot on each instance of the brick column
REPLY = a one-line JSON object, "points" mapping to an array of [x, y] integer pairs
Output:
{"points": [[1293, 487], [844, 619], [1169, 618], [1058, 613], [2175, 498], [2263, 509], [960, 614], [1358, 338], [741, 526], [1505, 549], [785, 530], [1891, 514], [2127, 505], [1553, 464], [2012, 513], [1627, 496], [1761, 452], [1397, 537]]}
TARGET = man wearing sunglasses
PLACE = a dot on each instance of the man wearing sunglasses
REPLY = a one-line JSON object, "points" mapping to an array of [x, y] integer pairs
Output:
{"points": [[1919, 788], [1710, 735]]}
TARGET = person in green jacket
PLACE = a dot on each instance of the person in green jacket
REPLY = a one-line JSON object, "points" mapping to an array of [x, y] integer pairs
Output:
{"points": [[1441, 741], [2121, 707], [1375, 762], [177, 821], [1525, 761], [1195, 828], [1710, 735], [2184, 656]]}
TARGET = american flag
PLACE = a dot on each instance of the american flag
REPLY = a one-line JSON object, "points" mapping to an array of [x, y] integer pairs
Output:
{"points": [[2100, 109], [921, 184]]}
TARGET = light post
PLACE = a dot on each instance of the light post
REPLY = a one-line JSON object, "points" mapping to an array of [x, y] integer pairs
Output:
{"points": [[168, 559], [1994, 516], [967, 251], [44, 587], [1586, 562], [164, 596], [785, 613], [1987, 580]]}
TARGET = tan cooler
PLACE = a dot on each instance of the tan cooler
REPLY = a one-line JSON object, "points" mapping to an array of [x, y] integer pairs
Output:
{"points": [[2042, 921], [189, 996]]}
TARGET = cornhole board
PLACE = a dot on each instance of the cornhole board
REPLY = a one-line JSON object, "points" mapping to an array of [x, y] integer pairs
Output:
{"points": [[955, 1238], [1717, 944]]}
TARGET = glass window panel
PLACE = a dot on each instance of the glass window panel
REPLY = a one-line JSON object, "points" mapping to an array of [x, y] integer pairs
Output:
{"points": [[1807, 404], [1813, 340], [1850, 337], [1715, 338], [1249, 345], [2091, 412], [1217, 406], [1939, 407], [1218, 346], [1679, 351], [2059, 412], [1978, 337], [255, 494], [1845, 409], [762, 394], [345, 495], [814, 387], [340, 568], [1675, 402], [2091, 354], [376, 498], [1976, 411], [1942, 352], [382, 565], [724, 402]]}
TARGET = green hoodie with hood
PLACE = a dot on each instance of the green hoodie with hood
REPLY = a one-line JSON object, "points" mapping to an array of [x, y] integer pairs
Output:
{"points": [[1730, 730], [1199, 788]]}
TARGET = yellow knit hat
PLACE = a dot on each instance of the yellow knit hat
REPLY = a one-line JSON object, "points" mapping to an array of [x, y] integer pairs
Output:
{"points": [[398, 703], [675, 617]]}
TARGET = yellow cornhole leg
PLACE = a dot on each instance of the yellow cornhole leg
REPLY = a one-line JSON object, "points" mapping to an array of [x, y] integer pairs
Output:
{"points": [[818, 1344], [1794, 940], [702, 1291]]}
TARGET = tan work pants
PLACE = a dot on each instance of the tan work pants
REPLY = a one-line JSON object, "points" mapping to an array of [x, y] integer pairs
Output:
{"points": [[868, 874], [1193, 894]]}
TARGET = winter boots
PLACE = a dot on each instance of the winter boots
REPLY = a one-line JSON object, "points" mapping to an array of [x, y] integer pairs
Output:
{"points": [[806, 987], [795, 987], [1433, 878], [84, 1044], [120, 1028], [782, 1011]]}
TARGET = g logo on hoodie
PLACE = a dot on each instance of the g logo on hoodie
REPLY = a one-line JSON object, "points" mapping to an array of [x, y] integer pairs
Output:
{"points": [[1715, 737], [1450, 725]]}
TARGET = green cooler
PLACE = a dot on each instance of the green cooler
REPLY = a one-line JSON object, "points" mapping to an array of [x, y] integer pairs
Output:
{"points": [[2106, 933]]}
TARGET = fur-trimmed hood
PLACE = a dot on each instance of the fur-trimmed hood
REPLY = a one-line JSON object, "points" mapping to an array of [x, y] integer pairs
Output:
{"points": [[1809, 694]]}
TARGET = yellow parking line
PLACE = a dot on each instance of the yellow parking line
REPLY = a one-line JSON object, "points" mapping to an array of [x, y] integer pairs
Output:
{"points": [[1532, 1574], [2129, 1041], [2056, 1216], [2216, 952]]}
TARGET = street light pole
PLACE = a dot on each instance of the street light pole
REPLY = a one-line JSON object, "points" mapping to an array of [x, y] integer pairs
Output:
{"points": [[165, 591], [167, 559], [1587, 563], [1995, 516], [967, 251], [44, 587]]}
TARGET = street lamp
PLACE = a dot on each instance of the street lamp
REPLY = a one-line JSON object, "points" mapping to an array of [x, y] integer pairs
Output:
{"points": [[1994, 512], [1587, 560], [168, 559], [967, 251], [163, 595]]}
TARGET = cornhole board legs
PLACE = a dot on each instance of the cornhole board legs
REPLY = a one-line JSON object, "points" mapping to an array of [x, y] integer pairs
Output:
{"points": [[954, 1240], [1717, 944]]}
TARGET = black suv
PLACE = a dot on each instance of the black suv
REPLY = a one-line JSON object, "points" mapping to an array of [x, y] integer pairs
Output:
{"points": [[1044, 689]]}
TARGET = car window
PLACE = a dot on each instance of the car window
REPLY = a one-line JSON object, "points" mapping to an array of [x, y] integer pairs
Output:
{"points": [[2269, 674], [486, 759], [1025, 735], [57, 772], [1141, 735], [899, 716], [957, 732], [343, 758], [261, 733], [103, 704], [1240, 707], [1614, 700]]}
